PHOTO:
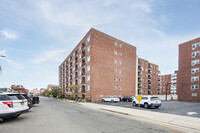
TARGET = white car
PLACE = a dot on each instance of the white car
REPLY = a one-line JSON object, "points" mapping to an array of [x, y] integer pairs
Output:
{"points": [[12, 105], [110, 99], [147, 101]]}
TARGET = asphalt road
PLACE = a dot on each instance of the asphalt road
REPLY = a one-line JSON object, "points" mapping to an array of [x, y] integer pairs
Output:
{"points": [[53, 116], [183, 108]]}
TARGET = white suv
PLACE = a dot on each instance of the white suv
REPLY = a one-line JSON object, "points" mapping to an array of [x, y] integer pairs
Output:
{"points": [[12, 105], [110, 99], [147, 101]]}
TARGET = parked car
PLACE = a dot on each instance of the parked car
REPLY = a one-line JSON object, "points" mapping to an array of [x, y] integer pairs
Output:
{"points": [[30, 104], [110, 99], [127, 98], [147, 101], [34, 99], [12, 105]]}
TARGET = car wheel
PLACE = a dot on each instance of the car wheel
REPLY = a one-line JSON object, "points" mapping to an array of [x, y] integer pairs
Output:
{"points": [[146, 105], [134, 104], [112, 101], [157, 107]]}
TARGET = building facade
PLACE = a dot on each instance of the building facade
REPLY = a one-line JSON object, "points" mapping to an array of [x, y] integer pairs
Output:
{"points": [[165, 84], [100, 65], [148, 78], [19, 88], [173, 83], [188, 73]]}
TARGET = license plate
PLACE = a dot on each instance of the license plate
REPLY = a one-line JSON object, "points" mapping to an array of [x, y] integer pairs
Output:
{"points": [[22, 103]]}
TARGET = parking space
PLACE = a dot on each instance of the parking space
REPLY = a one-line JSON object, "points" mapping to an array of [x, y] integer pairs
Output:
{"points": [[171, 107]]}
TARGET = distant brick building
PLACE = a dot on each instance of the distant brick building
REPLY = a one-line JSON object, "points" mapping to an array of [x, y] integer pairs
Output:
{"points": [[188, 71], [100, 65], [19, 88], [148, 79], [165, 84]]}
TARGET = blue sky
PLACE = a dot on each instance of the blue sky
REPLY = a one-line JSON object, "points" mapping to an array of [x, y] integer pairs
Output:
{"points": [[37, 35]]}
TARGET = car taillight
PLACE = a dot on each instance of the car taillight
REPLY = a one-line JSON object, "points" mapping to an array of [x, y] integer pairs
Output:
{"points": [[31, 99], [10, 104]]}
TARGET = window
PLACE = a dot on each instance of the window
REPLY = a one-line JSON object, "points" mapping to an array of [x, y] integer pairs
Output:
{"points": [[115, 88], [196, 78], [79, 57], [146, 70], [88, 59], [73, 83], [69, 60], [145, 81], [115, 79], [115, 70], [194, 94], [120, 79], [73, 61], [115, 52], [194, 54], [194, 87], [79, 65], [119, 88], [73, 54], [145, 86], [120, 54], [73, 75], [88, 49], [120, 62], [120, 71], [88, 69], [79, 81], [115, 61], [194, 62], [88, 39], [120, 45], [79, 48], [73, 68], [87, 78], [195, 45], [194, 70], [87, 87], [115, 43], [79, 73]]}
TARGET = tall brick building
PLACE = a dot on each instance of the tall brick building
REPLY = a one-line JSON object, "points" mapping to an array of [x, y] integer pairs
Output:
{"points": [[100, 65], [165, 84], [148, 79], [188, 73]]}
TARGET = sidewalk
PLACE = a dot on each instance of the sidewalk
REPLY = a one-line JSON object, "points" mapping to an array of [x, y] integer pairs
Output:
{"points": [[176, 123]]}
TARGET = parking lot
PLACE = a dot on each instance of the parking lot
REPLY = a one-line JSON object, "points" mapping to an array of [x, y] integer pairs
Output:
{"points": [[184, 108]]}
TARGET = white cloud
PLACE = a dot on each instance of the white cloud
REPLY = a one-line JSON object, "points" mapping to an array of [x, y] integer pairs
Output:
{"points": [[54, 55], [9, 35], [3, 52], [158, 32], [141, 5]]}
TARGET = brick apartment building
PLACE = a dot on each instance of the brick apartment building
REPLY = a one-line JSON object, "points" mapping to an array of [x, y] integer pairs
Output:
{"points": [[148, 79], [173, 82], [165, 84], [100, 65], [188, 73]]}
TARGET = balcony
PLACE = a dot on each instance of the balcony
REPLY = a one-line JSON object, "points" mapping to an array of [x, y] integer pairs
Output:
{"points": [[83, 89], [149, 82], [76, 53], [149, 92], [149, 87], [139, 80], [149, 77], [83, 82], [139, 74], [83, 46], [139, 68], [83, 54], [139, 91]]}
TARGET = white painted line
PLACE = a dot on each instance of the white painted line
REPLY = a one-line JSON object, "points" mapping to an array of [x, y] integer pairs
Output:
{"points": [[192, 113]]}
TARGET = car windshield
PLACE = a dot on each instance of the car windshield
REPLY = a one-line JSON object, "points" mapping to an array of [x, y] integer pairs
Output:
{"points": [[155, 98]]}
